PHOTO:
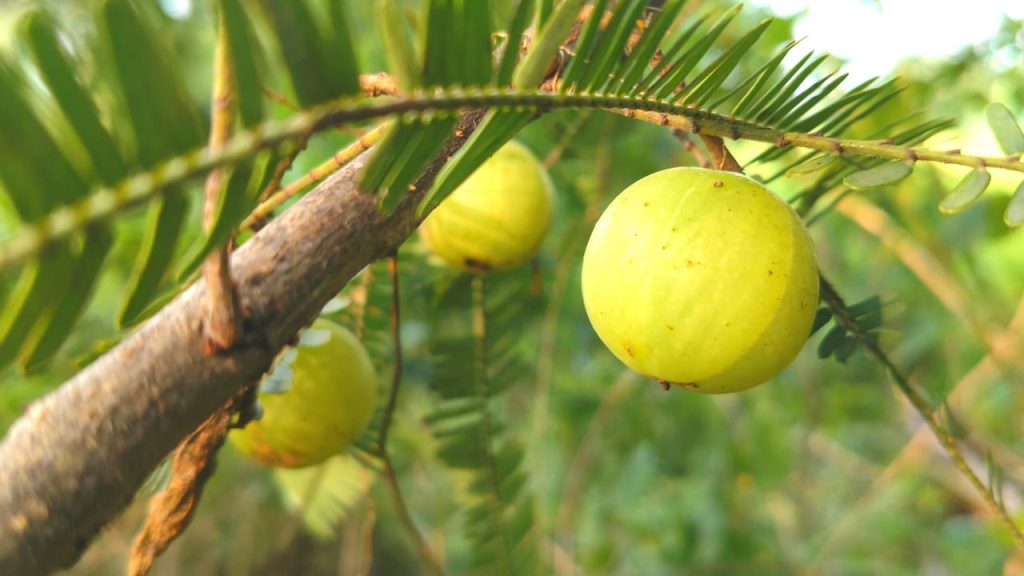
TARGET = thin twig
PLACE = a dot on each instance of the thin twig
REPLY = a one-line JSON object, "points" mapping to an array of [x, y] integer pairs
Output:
{"points": [[845, 319], [221, 323], [332, 165], [391, 478], [105, 202], [915, 448], [274, 184]]}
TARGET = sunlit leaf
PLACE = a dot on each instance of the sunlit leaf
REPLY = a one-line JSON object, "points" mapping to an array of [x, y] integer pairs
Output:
{"points": [[813, 165], [401, 55], [882, 175], [1014, 215], [966, 192], [1005, 128]]}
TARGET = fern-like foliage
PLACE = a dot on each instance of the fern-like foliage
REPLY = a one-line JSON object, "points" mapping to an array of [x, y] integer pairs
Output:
{"points": [[642, 58], [480, 326]]}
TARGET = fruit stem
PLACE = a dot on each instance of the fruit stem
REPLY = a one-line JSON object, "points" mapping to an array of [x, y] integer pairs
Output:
{"points": [[431, 561]]}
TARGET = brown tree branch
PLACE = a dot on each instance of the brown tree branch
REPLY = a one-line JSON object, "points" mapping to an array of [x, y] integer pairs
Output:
{"points": [[76, 458]]}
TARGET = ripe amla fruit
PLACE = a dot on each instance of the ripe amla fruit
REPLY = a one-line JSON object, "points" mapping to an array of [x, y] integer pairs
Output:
{"points": [[321, 409], [701, 278], [498, 217]]}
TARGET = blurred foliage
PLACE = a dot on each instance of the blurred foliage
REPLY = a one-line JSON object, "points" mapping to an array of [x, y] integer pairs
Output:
{"points": [[803, 473]]}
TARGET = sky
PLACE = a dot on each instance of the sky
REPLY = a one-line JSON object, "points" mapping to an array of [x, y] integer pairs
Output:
{"points": [[873, 36]]}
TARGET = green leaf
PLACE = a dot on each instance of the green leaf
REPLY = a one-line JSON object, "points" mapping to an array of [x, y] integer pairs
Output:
{"points": [[870, 321], [966, 192], [476, 68], [545, 8], [399, 50], [323, 494], [789, 115], [656, 75], [779, 97], [321, 68], [40, 285], [1014, 215], [611, 49], [545, 47], [630, 72], [453, 409], [24, 143], [243, 48], [342, 66], [866, 306], [753, 85], [77, 106], [845, 349], [1005, 129], [882, 175], [510, 55], [704, 86], [53, 328], [831, 341], [238, 198], [821, 317], [403, 154], [689, 60], [164, 121], [813, 165], [497, 128], [43, 286], [439, 43], [164, 226], [585, 46]]}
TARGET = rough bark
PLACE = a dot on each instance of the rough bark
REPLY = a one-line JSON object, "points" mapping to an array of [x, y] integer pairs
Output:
{"points": [[77, 457]]}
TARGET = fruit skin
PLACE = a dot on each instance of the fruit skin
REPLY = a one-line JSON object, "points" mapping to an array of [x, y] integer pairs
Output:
{"points": [[498, 217], [331, 400], [701, 278]]}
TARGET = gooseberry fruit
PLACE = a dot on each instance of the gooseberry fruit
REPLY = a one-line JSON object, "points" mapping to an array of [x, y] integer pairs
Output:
{"points": [[323, 407], [498, 217], [701, 278]]}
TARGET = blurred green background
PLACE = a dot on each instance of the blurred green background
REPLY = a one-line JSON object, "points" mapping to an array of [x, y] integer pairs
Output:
{"points": [[823, 470]]}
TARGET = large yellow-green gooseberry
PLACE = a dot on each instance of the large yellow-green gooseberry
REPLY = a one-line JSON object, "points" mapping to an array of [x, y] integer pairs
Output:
{"points": [[498, 217], [701, 278], [316, 402]]}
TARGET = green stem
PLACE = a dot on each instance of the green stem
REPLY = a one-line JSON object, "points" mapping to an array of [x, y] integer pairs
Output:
{"points": [[843, 317], [107, 202]]}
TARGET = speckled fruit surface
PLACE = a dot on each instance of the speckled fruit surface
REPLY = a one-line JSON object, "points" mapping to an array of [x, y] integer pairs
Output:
{"points": [[498, 217], [325, 407], [701, 278]]}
